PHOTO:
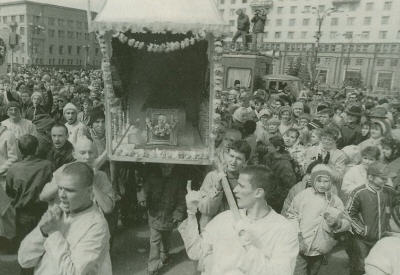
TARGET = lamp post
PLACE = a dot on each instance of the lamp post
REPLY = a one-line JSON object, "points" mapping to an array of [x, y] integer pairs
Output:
{"points": [[86, 47], [321, 15]]}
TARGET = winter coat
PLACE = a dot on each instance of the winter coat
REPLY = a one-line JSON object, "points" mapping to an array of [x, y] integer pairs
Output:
{"points": [[61, 156], [351, 135], [281, 165], [259, 23], [165, 198]]}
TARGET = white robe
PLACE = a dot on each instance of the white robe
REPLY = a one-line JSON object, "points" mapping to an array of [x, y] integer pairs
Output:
{"points": [[80, 247], [220, 249]]}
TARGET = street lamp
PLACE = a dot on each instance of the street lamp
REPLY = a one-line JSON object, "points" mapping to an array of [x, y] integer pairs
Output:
{"points": [[321, 15]]}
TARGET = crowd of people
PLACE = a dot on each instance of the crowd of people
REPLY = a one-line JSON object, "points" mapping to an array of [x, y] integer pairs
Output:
{"points": [[308, 173]]}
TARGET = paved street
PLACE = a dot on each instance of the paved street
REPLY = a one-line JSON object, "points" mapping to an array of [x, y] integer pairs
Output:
{"points": [[129, 256]]}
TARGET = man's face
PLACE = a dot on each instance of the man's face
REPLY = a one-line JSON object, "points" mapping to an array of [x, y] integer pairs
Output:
{"points": [[387, 151], [285, 116], [322, 184], [244, 192], [237, 87], [234, 160], [290, 138], [99, 126], [303, 123], [318, 96], [14, 113], [61, 103], [314, 138], [229, 138], [84, 151], [375, 131], [297, 111], [59, 136], [349, 118], [324, 119], [72, 193], [36, 100], [25, 98], [352, 98], [70, 116], [367, 160], [258, 106], [377, 182], [272, 128]]}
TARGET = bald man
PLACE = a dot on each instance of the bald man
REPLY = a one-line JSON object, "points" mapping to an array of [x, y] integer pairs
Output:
{"points": [[103, 193], [72, 237]]}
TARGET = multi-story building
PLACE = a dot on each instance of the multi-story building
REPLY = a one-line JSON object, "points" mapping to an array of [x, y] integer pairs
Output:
{"points": [[359, 38], [50, 34]]}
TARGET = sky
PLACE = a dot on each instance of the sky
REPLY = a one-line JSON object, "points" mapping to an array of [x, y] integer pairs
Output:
{"points": [[79, 4]]}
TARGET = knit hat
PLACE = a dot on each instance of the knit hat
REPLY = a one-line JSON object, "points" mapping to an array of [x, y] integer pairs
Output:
{"points": [[70, 106], [284, 109], [321, 170], [298, 104], [383, 124]]}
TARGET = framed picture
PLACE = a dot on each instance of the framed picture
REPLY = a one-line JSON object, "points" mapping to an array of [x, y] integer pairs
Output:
{"points": [[161, 126]]}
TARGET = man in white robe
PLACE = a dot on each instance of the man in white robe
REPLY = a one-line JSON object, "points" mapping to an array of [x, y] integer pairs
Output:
{"points": [[261, 242], [72, 237]]}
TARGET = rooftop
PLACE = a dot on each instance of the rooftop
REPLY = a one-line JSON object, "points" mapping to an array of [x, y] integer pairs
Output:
{"points": [[96, 5]]}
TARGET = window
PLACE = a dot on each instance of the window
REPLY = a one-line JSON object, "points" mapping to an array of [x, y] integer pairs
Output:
{"points": [[279, 10], [303, 35], [307, 9], [359, 61], [321, 7], [322, 76], [13, 18], [232, 12], [21, 30], [4, 19], [78, 35], [365, 48], [348, 35], [367, 21], [51, 21], [279, 22], [221, 11], [333, 48], [265, 34], [334, 21], [380, 62], [60, 22], [382, 34], [350, 21], [78, 50], [22, 18], [232, 22], [384, 80], [365, 35], [233, 1], [333, 35], [387, 6], [51, 33], [293, 9], [86, 36], [22, 48], [61, 34], [346, 61], [384, 20], [369, 6], [292, 22], [36, 19], [394, 62], [70, 23], [221, 2], [51, 47], [70, 34], [306, 21], [79, 25], [61, 50], [290, 35], [96, 52], [244, 1], [277, 35], [352, 7], [69, 49]]}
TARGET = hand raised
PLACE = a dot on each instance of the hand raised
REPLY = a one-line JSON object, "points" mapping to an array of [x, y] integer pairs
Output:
{"points": [[192, 198]]}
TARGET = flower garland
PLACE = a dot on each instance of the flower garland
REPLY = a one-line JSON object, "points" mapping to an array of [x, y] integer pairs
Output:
{"points": [[160, 48]]}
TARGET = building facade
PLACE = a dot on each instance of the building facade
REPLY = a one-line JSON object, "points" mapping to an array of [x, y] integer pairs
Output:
{"points": [[50, 35], [359, 38]]}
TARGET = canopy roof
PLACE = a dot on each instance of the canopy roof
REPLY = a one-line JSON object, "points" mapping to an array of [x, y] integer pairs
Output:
{"points": [[177, 16], [281, 77]]}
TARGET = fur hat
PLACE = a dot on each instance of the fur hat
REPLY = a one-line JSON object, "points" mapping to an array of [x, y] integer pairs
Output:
{"points": [[70, 106], [321, 170], [354, 110]]}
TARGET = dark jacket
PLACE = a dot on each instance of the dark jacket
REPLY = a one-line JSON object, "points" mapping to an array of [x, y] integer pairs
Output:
{"points": [[370, 211], [351, 135], [258, 23], [24, 182], [44, 108], [285, 178], [61, 156], [243, 23], [58, 115], [165, 197]]}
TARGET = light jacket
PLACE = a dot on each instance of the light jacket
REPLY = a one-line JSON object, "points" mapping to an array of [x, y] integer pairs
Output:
{"points": [[306, 212]]}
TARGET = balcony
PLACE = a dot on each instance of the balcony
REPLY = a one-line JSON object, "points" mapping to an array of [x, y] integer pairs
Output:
{"points": [[261, 4]]}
